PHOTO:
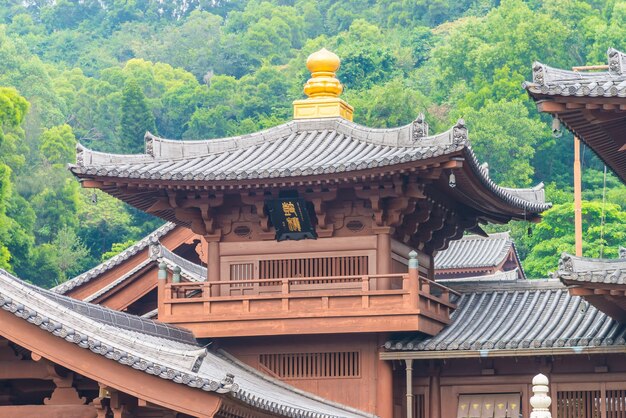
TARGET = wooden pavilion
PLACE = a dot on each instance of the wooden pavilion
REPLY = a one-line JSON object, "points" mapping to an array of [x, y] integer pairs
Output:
{"points": [[329, 231], [316, 228]]}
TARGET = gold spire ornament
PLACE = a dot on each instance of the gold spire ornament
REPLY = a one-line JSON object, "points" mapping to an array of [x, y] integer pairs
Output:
{"points": [[323, 89]]}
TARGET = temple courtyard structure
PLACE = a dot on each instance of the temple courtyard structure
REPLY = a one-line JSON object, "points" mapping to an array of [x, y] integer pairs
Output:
{"points": [[321, 268]]}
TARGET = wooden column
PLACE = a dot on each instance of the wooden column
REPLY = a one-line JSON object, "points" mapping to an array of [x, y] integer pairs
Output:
{"points": [[213, 262], [435, 393], [383, 256], [384, 385], [409, 388]]}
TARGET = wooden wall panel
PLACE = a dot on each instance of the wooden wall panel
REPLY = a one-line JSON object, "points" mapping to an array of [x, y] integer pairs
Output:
{"points": [[341, 368], [582, 386]]}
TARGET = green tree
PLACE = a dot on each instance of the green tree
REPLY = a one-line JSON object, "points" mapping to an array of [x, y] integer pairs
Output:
{"points": [[502, 134], [57, 144], [137, 118], [70, 253], [555, 234]]}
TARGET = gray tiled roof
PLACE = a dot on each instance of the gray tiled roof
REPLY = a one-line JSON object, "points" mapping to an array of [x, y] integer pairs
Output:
{"points": [[297, 148], [190, 271], [113, 261], [523, 315], [158, 349], [473, 251], [499, 276], [591, 270], [596, 99], [554, 81]]}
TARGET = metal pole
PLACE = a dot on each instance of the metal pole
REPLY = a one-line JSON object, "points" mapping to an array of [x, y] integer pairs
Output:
{"points": [[578, 217]]}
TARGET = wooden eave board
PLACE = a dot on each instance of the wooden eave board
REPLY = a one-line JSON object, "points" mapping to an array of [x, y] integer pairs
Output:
{"points": [[605, 138]]}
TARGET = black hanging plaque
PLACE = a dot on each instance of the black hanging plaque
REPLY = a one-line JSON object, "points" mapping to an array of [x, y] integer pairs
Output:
{"points": [[290, 219]]}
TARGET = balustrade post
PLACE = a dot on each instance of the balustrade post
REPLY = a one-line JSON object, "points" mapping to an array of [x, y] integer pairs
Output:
{"points": [[414, 279], [365, 287], [540, 401], [206, 295], [161, 282], [285, 292], [176, 274]]}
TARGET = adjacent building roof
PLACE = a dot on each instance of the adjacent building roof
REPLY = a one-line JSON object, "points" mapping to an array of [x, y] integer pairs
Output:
{"points": [[499, 276], [519, 318], [474, 251], [300, 149], [158, 349], [574, 270], [591, 104], [114, 261], [188, 270]]}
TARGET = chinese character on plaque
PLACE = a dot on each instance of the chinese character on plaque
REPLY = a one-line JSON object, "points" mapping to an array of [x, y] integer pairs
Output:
{"points": [[290, 218]]}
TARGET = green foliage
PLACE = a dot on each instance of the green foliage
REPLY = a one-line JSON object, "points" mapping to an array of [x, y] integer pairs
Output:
{"points": [[117, 248], [137, 118], [502, 134], [555, 234], [69, 252], [103, 72], [58, 144]]}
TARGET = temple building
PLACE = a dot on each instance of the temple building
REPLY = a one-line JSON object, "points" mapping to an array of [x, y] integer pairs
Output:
{"points": [[591, 104], [318, 268], [476, 257]]}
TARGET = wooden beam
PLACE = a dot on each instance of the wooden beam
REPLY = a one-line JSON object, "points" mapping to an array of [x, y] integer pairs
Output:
{"points": [[168, 394], [91, 184], [580, 291], [48, 411], [551, 107], [21, 369]]}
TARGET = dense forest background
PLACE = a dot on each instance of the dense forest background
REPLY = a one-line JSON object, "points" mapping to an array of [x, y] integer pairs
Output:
{"points": [[102, 72]]}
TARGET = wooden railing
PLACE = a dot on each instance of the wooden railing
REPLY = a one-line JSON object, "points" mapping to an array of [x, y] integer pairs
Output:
{"points": [[377, 295]]}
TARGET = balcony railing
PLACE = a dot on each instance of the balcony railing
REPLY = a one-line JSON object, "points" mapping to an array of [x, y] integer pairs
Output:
{"points": [[368, 303]]}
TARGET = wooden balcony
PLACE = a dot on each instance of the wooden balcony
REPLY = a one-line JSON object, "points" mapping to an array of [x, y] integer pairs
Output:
{"points": [[312, 305]]}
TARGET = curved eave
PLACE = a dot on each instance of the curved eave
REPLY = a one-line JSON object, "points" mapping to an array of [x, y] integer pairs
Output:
{"points": [[585, 271], [474, 187], [592, 105], [302, 153]]}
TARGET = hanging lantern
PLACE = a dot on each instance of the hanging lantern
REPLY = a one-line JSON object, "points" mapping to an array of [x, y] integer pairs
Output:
{"points": [[452, 181]]}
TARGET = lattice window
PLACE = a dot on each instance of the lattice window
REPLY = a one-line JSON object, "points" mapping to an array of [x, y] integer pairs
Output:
{"points": [[313, 267], [616, 403], [580, 404], [313, 365], [489, 405], [242, 271]]}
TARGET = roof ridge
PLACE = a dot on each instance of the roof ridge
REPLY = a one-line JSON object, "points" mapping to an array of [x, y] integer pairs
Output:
{"points": [[105, 266], [74, 308]]}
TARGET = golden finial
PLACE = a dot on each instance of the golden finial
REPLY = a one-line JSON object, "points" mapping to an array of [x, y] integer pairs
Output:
{"points": [[323, 83], [323, 89]]}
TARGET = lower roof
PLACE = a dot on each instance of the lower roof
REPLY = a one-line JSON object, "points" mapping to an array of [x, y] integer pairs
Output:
{"points": [[519, 318], [473, 251], [114, 261], [160, 350]]}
